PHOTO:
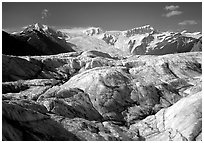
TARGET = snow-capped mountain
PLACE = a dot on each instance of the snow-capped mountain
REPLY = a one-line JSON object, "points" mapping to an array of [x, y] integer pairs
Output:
{"points": [[37, 26], [45, 39], [54, 35], [159, 43], [163, 43], [147, 40]]}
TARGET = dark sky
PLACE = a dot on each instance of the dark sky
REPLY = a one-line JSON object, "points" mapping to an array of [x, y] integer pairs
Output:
{"points": [[108, 16]]}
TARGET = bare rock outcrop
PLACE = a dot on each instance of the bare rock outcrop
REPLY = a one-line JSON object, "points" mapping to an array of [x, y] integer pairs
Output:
{"points": [[93, 31], [29, 122], [110, 39], [180, 122], [108, 90], [69, 103]]}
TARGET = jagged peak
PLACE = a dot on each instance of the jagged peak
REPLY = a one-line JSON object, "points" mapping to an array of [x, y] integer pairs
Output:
{"points": [[93, 30], [145, 26], [36, 26], [142, 27], [139, 30]]}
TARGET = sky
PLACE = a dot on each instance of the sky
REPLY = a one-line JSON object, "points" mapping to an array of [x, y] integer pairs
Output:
{"points": [[173, 16]]}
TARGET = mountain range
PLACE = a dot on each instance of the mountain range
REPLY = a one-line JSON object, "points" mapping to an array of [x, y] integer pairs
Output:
{"points": [[40, 39]]}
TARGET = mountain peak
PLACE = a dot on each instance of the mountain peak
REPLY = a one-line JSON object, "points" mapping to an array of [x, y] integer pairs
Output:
{"points": [[36, 26], [139, 30], [145, 26], [93, 31]]}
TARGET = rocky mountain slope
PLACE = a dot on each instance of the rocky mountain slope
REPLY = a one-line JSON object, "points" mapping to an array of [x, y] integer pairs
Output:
{"points": [[101, 92], [36, 39], [14, 46]]}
